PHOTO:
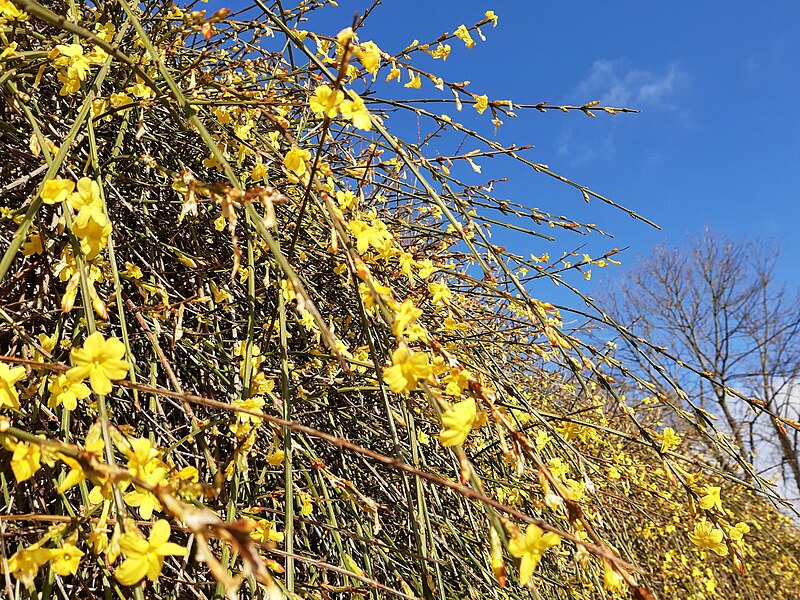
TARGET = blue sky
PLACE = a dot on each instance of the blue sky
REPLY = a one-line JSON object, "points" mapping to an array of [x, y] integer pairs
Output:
{"points": [[717, 141], [718, 138]]}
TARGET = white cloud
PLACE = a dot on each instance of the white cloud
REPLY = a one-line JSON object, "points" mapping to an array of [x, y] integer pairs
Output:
{"points": [[580, 150], [619, 83], [616, 83]]}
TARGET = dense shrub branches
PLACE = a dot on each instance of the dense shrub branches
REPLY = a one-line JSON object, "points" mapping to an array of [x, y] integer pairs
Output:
{"points": [[255, 342]]}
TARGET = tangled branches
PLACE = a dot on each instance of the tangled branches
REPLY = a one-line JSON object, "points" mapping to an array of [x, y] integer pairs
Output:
{"points": [[256, 343]]}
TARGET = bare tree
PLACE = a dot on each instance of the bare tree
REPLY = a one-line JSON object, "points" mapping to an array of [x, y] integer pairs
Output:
{"points": [[716, 304]]}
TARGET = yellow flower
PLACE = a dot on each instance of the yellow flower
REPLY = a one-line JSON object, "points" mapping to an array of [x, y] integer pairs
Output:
{"points": [[33, 245], [426, 268], [86, 194], [415, 82], [346, 199], [406, 315], [93, 229], [462, 34], [287, 289], [71, 56], [74, 477], [737, 532], [345, 36], [258, 171], [370, 56], [66, 391], [26, 460], [669, 439], [9, 397], [101, 361], [481, 103], [121, 100], [612, 581], [441, 51], [143, 499], [457, 381], [100, 106], [711, 498], [132, 271], [370, 235], [10, 12], [145, 557], [47, 342], [65, 560], [276, 458], [24, 564], [441, 293], [142, 457], [458, 422], [326, 101], [57, 190], [450, 324], [9, 52], [529, 548], [245, 422], [264, 531], [141, 90], [493, 17], [393, 74], [295, 161], [357, 112], [306, 506], [406, 370], [708, 537]]}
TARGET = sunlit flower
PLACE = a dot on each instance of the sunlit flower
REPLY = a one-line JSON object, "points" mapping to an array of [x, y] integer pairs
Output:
{"points": [[101, 361], [441, 51], [33, 245], [669, 439], [708, 537], [711, 498], [65, 560], [370, 56], [440, 293], [75, 475], [529, 548], [406, 315], [406, 370], [92, 228], [415, 82], [295, 161], [9, 376], [26, 460], [458, 422], [357, 112], [481, 103], [145, 557], [462, 34], [264, 531], [24, 564], [57, 190], [258, 171], [326, 101], [87, 193], [65, 391]]}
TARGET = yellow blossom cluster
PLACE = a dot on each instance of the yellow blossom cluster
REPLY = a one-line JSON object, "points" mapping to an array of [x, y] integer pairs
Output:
{"points": [[73, 63], [330, 103], [90, 224]]}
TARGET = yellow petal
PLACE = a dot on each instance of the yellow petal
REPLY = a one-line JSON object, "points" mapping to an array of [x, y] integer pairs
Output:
{"points": [[132, 571]]}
